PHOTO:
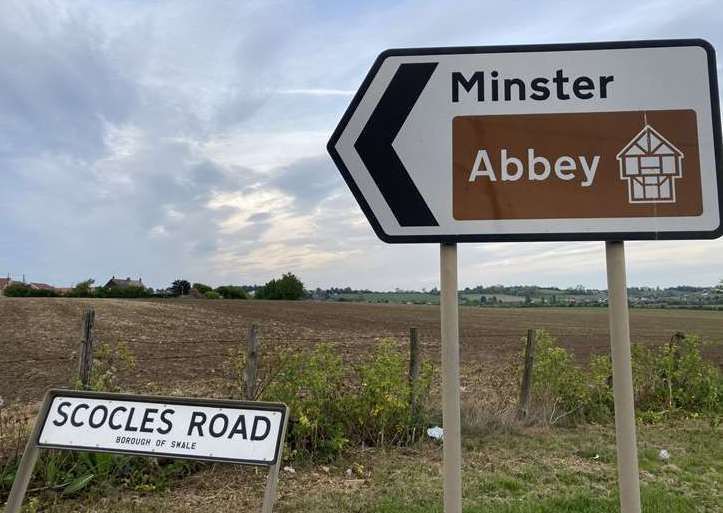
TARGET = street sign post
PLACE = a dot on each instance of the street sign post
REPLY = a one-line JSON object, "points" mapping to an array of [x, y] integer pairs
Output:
{"points": [[249, 433], [595, 141]]}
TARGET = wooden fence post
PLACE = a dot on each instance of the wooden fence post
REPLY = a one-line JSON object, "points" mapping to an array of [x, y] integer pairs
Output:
{"points": [[251, 365], [526, 387], [85, 364], [414, 366]]}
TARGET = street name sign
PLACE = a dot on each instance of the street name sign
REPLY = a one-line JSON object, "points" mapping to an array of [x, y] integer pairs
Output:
{"points": [[243, 432], [592, 141], [205, 429]]}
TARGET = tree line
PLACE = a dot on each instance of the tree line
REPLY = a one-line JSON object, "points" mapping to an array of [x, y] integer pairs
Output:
{"points": [[288, 287]]}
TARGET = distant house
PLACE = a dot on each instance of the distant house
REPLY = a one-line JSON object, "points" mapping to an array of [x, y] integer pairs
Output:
{"points": [[650, 164], [121, 283], [41, 286]]}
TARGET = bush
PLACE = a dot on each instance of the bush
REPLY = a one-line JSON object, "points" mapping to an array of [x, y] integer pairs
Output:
{"points": [[559, 387], [202, 288], [130, 292], [212, 295], [673, 379], [83, 289], [331, 408], [107, 362], [289, 287], [25, 290], [231, 292], [312, 386], [381, 410]]}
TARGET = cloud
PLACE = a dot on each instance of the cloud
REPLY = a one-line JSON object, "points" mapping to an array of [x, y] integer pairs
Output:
{"points": [[318, 92]]}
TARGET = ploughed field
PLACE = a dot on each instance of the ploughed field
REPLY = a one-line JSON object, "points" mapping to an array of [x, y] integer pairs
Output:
{"points": [[185, 343]]}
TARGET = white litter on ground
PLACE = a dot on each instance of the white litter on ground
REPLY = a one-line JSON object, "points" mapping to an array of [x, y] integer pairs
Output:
{"points": [[435, 432]]}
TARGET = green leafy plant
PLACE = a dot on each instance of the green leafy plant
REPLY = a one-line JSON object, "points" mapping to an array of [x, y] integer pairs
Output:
{"points": [[333, 406], [312, 385], [231, 292], [202, 288], [559, 387], [672, 379], [382, 405]]}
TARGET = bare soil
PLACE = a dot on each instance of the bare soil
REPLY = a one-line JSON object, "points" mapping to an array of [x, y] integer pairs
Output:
{"points": [[182, 342]]}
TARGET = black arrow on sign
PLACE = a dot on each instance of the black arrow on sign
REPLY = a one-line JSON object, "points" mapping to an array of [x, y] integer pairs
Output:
{"points": [[374, 145]]}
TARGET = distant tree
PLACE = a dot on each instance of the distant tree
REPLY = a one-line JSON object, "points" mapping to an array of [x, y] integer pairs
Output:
{"points": [[131, 292], [17, 289], [181, 287], [287, 287], [231, 292], [24, 290], [83, 289], [202, 287]]}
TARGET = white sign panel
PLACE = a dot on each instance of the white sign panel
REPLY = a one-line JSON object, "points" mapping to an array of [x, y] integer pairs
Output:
{"points": [[231, 431], [594, 141]]}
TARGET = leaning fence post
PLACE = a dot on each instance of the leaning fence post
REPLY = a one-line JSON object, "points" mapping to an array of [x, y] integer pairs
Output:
{"points": [[526, 387], [251, 364], [85, 364], [414, 365]]}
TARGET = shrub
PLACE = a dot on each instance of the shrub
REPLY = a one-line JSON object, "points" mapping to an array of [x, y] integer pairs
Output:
{"points": [[16, 289], [212, 295], [673, 379], [331, 408], [231, 292], [83, 289], [381, 410], [312, 386], [558, 385], [107, 362], [202, 288], [130, 292]]}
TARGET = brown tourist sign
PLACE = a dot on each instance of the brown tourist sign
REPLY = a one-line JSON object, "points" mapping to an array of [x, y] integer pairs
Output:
{"points": [[579, 165]]}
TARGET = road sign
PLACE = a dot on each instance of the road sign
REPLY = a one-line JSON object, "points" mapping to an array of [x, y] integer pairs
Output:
{"points": [[206, 429], [594, 141], [245, 432]]}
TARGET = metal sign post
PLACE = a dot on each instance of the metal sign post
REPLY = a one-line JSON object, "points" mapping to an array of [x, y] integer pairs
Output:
{"points": [[628, 477], [241, 432], [452, 438]]}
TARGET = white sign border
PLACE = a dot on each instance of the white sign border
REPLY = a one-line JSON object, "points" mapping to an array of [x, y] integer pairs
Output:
{"points": [[357, 101], [186, 401]]}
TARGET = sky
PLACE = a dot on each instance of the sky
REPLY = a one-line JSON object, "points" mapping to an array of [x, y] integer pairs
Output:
{"points": [[186, 139]]}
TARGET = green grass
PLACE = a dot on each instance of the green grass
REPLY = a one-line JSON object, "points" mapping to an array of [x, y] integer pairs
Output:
{"points": [[520, 471], [390, 297], [555, 471], [654, 500]]}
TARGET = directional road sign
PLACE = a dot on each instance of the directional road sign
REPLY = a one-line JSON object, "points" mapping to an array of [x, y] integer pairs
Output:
{"points": [[595, 141]]}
